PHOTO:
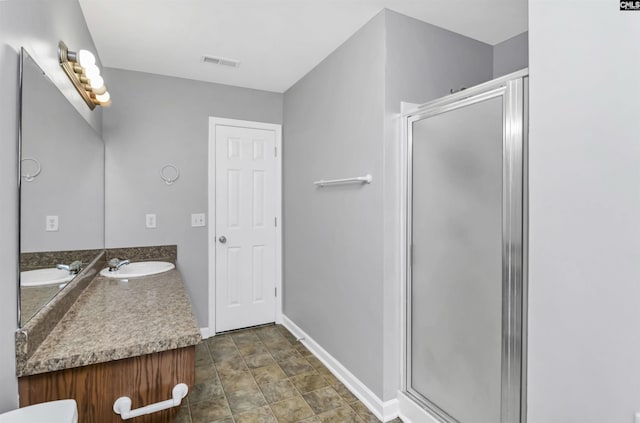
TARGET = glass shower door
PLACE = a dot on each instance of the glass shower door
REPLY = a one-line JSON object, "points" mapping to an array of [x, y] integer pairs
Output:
{"points": [[460, 325]]}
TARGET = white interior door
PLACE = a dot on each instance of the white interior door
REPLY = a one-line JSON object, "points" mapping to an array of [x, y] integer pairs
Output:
{"points": [[245, 227]]}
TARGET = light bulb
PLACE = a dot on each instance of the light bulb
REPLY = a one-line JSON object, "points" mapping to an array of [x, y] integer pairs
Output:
{"points": [[103, 98], [91, 71], [99, 90], [86, 58], [96, 82]]}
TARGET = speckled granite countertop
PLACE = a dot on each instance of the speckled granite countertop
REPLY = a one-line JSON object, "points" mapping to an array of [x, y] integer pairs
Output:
{"points": [[112, 320]]}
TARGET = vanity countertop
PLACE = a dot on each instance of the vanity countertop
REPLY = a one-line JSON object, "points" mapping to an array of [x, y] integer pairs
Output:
{"points": [[112, 320]]}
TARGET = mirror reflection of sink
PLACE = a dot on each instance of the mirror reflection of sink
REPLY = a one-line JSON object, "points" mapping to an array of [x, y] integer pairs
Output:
{"points": [[139, 269], [41, 277]]}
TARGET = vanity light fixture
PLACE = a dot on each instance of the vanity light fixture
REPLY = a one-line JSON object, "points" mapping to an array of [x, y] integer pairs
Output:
{"points": [[81, 69]]}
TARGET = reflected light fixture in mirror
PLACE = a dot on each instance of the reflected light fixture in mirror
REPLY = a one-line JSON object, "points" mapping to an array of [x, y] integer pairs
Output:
{"points": [[81, 69]]}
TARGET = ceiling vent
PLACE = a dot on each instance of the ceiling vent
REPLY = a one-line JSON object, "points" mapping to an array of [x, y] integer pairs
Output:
{"points": [[222, 61]]}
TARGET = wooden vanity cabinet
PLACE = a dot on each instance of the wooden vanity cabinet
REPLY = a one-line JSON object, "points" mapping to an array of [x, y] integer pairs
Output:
{"points": [[145, 379]]}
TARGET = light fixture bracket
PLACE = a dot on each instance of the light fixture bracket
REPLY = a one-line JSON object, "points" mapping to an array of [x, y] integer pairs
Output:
{"points": [[68, 62]]}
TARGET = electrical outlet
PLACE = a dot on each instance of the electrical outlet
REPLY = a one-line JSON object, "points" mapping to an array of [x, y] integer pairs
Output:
{"points": [[51, 224], [150, 220], [197, 219]]}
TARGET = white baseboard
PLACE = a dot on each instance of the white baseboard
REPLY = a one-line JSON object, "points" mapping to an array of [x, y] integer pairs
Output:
{"points": [[206, 333], [383, 410], [410, 412]]}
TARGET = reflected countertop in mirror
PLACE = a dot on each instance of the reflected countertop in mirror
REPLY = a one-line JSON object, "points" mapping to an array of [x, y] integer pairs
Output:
{"points": [[61, 185]]}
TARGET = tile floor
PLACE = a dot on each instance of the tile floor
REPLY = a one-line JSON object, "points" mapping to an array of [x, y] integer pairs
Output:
{"points": [[263, 375]]}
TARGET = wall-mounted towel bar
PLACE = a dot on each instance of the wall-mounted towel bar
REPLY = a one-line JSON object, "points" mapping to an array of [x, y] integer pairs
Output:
{"points": [[366, 179], [122, 405]]}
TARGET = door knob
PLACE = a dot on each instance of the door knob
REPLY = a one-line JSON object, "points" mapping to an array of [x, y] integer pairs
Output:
{"points": [[223, 239]]}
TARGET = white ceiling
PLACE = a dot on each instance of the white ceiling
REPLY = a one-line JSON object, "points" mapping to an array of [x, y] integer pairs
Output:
{"points": [[276, 41]]}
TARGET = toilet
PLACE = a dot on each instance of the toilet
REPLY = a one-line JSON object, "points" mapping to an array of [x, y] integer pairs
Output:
{"points": [[64, 411]]}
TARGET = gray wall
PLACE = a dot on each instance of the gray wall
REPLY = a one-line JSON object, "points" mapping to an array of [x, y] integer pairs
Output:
{"points": [[341, 244], [332, 242], [584, 270], [153, 121], [38, 25], [423, 63], [511, 55]]}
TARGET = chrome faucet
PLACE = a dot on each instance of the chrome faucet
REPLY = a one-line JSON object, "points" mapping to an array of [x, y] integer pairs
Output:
{"points": [[115, 264], [72, 268]]}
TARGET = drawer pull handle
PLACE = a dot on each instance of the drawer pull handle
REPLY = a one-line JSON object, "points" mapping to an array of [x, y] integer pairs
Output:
{"points": [[122, 405]]}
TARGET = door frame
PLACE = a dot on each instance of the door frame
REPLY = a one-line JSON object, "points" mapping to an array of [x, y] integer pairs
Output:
{"points": [[211, 215]]}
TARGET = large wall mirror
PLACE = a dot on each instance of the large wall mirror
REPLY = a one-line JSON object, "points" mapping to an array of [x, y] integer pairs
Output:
{"points": [[61, 190]]}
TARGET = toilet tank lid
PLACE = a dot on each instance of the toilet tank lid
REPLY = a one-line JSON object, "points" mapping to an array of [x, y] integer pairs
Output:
{"points": [[63, 411]]}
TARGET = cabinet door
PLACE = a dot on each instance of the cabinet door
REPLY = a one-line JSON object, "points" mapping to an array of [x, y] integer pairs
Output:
{"points": [[145, 379]]}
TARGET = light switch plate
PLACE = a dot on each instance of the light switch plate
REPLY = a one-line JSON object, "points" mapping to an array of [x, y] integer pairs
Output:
{"points": [[197, 219], [51, 224], [150, 220]]}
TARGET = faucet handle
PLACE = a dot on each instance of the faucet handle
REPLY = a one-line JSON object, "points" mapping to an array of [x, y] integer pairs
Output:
{"points": [[75, 266], [113, 263]]}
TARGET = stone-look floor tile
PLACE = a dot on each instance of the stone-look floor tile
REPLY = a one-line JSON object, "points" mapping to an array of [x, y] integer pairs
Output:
{"points": [[183, 415], [340, 415], [259, 360], [245, 400], [288, 335], [257, 415], [238, 381], [396, 420], [328, 376], [323, 399], [291, 410], [308, 382], [345, 393], [225, 353], [203, 358], [222, 377], [286, 354], [245, 338], [205, 391], [303, 350], [210, 410], [276, 344], [231, 366], [295, 366], [252, 349], [267, 332], [315, 363], [278, 391], [219, 340], [364, 412], [206, 374], [268, 374]]}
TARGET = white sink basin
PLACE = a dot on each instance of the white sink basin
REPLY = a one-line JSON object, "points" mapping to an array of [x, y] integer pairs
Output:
{"points": [[139, 269], [41, 277]]}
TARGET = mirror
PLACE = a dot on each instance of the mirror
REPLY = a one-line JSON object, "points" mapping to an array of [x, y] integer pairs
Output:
{"points": [[61, 190]]}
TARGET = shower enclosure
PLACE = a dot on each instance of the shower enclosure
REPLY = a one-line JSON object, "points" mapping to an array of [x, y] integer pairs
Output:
{"points": [[466, 249]]}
